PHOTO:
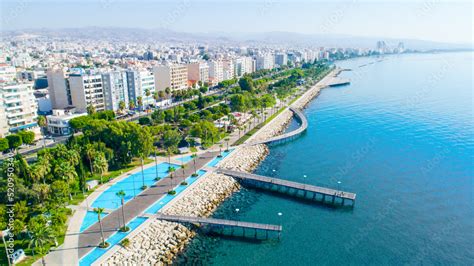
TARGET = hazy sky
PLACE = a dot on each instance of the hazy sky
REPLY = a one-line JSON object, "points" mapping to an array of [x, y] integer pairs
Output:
{"points": [[436, 20]]}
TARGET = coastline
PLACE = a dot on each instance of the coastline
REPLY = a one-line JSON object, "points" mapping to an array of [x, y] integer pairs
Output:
{"points": [[159, 242]]}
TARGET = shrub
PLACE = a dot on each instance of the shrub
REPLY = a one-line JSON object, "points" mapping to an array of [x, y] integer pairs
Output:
{"points": [[104, 245], [124, 229], [125, 242], [172, 192], [184, 183], [144, 187], [3, 144], [27, 136], [14, 141]]}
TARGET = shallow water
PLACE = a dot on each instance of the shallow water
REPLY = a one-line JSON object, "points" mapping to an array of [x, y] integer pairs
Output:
{"points": [[401, 137]]}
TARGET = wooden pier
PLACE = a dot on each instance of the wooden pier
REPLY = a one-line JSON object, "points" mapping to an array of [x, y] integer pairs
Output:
{"points": [[221, 224], [310, 192]]}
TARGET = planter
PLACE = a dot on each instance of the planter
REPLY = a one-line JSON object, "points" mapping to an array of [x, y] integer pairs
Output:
{"points": [[104, 245]]}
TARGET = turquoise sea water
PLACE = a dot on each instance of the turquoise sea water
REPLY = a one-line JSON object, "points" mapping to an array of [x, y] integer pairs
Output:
{"points": [[401, 137]]}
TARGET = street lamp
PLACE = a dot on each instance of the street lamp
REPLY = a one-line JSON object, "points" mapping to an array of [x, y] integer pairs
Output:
{"points": [[338, 185]]}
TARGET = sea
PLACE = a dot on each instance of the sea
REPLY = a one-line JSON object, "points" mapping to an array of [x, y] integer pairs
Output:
{"points": [[400, 136]]}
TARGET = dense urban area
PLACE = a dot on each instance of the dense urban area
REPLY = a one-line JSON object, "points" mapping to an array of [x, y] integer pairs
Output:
{"points": [[74, 115]]}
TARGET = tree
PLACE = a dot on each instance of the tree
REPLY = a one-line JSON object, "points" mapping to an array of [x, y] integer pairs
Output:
{"points": [[194, 156], [43, 123], [90, 109], [65, 171], [14, 141], [121, 194], [131, 105], [171, 139], [220, 150], [171, 170], [246, 83], [140, 103], [3, 144], [227, 141], [99, 211], [40, 235], [122, 106], [100, 164], [27, 136]]}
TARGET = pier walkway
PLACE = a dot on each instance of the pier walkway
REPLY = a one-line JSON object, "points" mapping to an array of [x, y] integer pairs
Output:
{"points": [[321, 194], [304, 125], [221, 223]]}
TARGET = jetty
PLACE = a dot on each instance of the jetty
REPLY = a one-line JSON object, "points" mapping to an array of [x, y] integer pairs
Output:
{"points": [[221, 224], [289, 135], [305, 191]]}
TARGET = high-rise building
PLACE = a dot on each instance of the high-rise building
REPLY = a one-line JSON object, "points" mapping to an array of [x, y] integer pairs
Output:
{"points": [[18, 107], [141, 83], [216, 71], [174, 77], [115, 89], [228, 68], [58, 87], [198, 71], [87, 90], [243, 65], [281, 59], [264, 61]]}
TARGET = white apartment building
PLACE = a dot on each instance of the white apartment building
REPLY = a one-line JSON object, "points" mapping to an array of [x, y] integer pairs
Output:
{"points": [[86, 90], [265, 62], [115, 89], [216, 71], [243, 65], [173, 76], [228, 69], [18, 107], [58, 122], [198, 72], [141, 84], [7, 73], [58, 87], [281, 59]]}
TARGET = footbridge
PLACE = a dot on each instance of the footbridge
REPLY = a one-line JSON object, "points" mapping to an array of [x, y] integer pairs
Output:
{"points": [[310, 192], [220, 225], [303, 126]]}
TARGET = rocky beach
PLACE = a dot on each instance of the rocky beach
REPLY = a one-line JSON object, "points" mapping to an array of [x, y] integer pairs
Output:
{"points": [[158, 242]]}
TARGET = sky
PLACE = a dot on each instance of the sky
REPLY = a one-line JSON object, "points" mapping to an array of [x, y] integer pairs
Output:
{"points": [[433, 20]]}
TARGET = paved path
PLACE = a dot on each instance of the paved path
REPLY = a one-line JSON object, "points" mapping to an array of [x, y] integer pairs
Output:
{"points": [[90, 238]]}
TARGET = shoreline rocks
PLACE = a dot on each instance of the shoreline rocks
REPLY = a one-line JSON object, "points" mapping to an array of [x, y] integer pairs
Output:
{"points": [[159, 242]]}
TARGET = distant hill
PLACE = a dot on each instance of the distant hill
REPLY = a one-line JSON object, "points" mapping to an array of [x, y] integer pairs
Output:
{"points": [[269, 38]]}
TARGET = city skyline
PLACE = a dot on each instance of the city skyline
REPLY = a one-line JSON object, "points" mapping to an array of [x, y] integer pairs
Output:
{"points": [[420, 20]]}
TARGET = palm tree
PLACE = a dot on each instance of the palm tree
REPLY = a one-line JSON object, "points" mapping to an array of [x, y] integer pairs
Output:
{"points": [[171, 170], [121, 194], [121, 106], [131, 105], [183, 166], [89, 152], [220, 151], [143, 174], [39, 236], [194, 156], [100, 165], [227, 141], [140, 103], [42, 123], [99, 211], [65, 171]]}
